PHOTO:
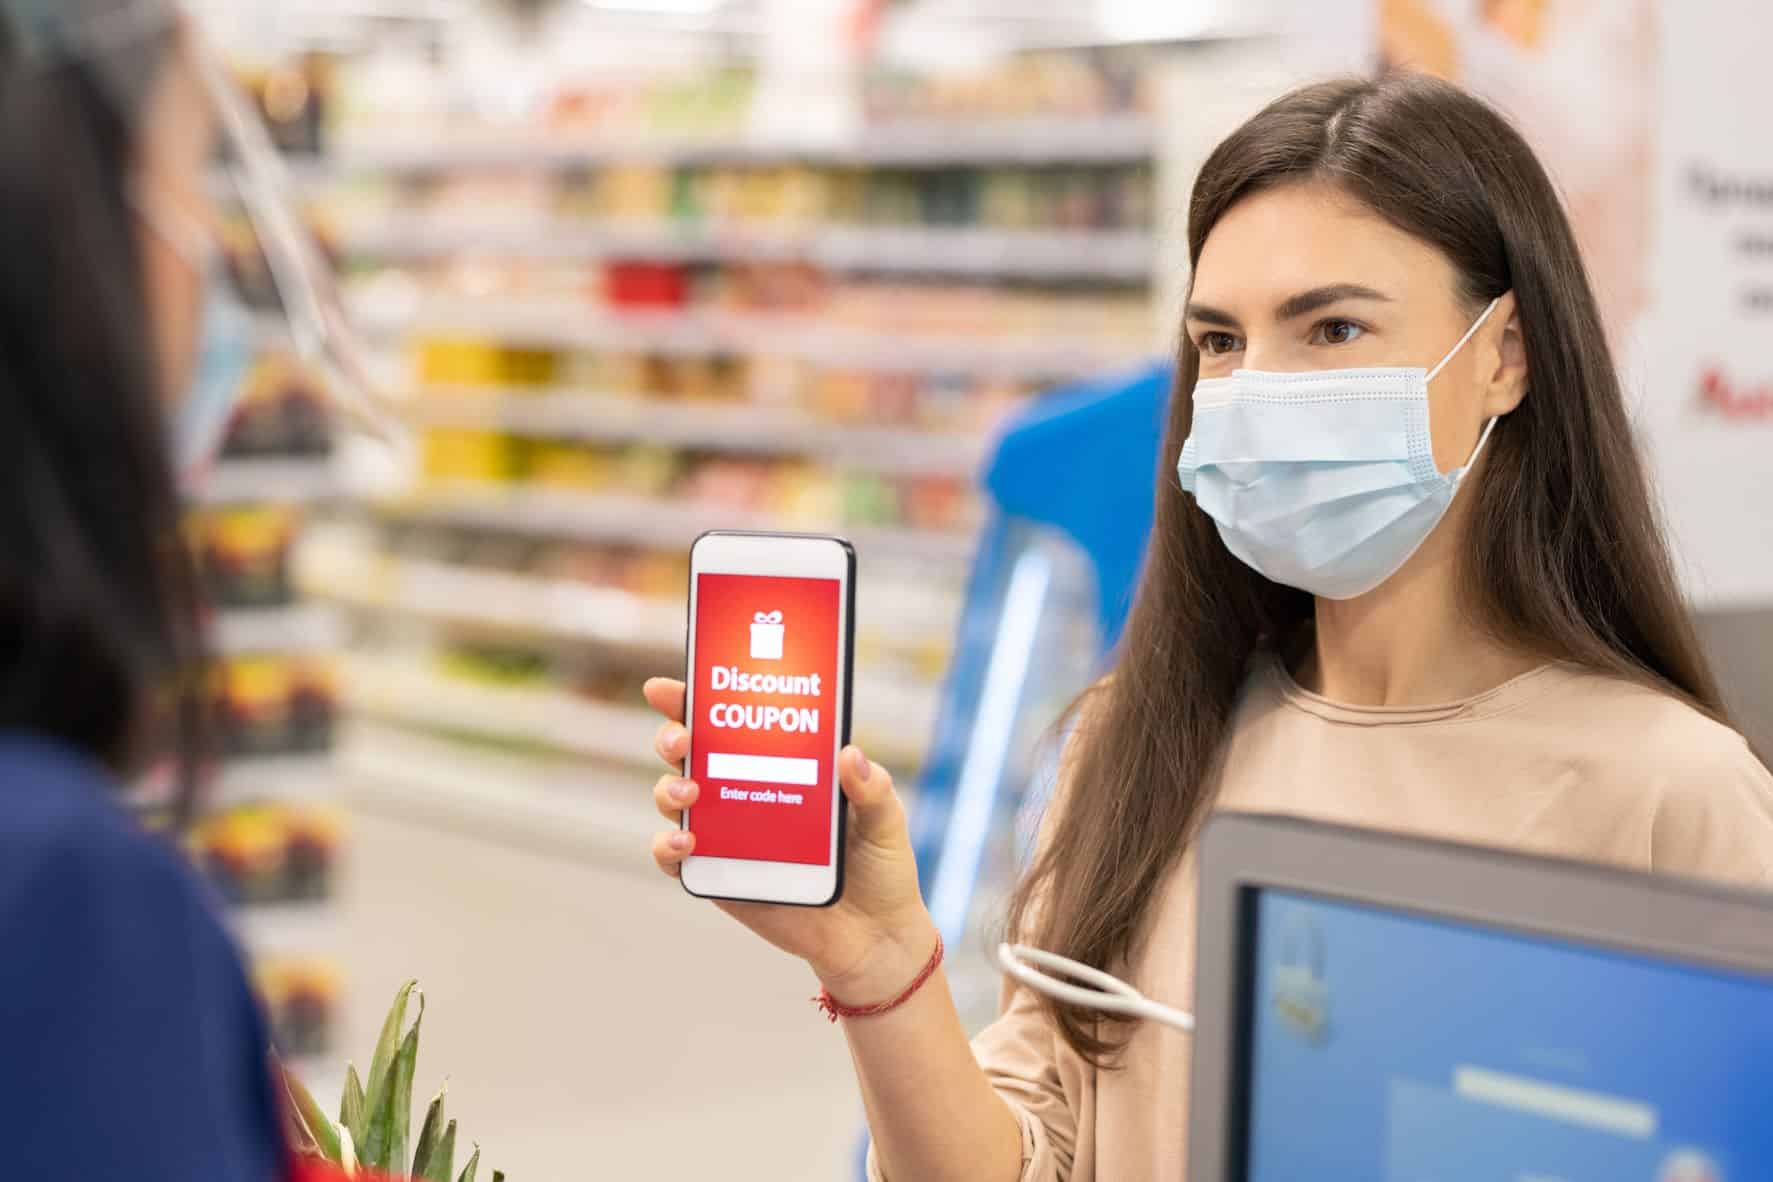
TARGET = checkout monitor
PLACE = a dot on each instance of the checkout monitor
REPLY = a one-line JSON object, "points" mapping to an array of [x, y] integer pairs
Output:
{"points": [[1396, 1011]]}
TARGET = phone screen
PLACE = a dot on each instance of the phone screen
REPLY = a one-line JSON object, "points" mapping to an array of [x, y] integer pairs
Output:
{"points": [[768, 712]]}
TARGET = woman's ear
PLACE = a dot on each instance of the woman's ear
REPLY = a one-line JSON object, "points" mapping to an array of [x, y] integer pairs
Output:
{"points": [[1506, 385]]}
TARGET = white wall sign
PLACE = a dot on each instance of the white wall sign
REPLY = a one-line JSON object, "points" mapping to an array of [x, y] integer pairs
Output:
{"points": [[1652, 117]]}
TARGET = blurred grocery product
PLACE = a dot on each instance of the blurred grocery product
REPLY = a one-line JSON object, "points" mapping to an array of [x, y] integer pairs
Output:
{"points": [[282, 412], [1039, 84], [302, 996], [270, 852], [274, 704], [244, 554]]}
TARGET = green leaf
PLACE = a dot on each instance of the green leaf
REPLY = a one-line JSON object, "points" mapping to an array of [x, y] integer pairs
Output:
{"points": [[430, 1133], [389, 1042], [301, 1101], [351, 1108], [347, 1153], [374, 1150], [443, 1162], [470, 1169], [405, 1063], [390, 1104]]}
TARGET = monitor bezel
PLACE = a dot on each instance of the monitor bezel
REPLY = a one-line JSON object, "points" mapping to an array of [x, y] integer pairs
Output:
{"points": [[1664, 917]]}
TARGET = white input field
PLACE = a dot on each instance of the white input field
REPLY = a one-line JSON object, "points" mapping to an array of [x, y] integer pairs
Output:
{"points": [[763, 769], [1611, 1114]]}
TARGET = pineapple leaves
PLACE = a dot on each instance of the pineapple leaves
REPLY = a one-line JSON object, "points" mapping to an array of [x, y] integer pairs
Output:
{"points": [[375, 1118]]}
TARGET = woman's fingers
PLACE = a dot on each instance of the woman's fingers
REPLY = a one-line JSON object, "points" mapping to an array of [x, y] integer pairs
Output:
{"points": [[665, 694], [671, 847], [874, 806], [672, 794], [672, 744]]}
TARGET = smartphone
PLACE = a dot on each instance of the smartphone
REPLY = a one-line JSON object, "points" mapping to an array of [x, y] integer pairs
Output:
{"points": [[769, 647]]}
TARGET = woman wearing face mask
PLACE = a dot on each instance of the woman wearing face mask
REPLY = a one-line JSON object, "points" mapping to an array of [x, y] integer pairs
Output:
{"points": [[1405, 573], [130, 1044]]}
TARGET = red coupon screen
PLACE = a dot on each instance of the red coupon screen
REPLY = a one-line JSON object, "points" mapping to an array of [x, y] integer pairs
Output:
{"points": [[767, 712]]}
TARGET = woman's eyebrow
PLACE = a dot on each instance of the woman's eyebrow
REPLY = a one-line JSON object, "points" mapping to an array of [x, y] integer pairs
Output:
{"points": [[1290, 308], [1322, 297], [1207, 314]]}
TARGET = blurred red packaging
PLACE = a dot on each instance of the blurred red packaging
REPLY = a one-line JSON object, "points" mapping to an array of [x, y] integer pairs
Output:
{"points": [[305, 1169]]}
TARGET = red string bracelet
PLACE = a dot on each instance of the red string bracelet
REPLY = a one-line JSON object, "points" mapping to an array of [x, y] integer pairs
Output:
{"points": [[835, 1009]]}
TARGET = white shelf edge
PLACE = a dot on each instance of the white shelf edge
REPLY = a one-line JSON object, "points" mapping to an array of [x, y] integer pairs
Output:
{"points": [[615, 418], [549, 804], [639, 520], [1126, 138], [542, 715], [279, 928], [563, 610], [500, 600], [268, 481], [1122, 256], [294, 778], [299, 628], [565, 324], [284, 779]]}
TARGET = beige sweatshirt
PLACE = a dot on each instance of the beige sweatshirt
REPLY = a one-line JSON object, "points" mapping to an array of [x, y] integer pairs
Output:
{"points": [[1558, 761]]}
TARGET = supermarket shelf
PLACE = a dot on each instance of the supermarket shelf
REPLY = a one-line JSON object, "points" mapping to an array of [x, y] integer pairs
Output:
{"points": [[565, 324], [301, 628], [1118, 255], [272, 928], [1109, 255], [726, 427], [576, 612], [451, 594], [254, 482], [1058, 139], [1114, 139], [539, 716], [555, 805], [282, 778], [639, 521]]}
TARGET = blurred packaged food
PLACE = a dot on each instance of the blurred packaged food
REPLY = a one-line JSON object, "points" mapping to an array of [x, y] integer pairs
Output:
{"points": [[275, 704]]}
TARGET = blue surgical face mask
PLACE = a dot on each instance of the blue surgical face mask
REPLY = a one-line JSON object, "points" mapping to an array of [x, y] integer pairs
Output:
{"points": [[225, 347], [225, 355], [1323, 480]]}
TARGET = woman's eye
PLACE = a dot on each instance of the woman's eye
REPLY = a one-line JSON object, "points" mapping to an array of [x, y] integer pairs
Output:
{"points": [[1338, 332], [1214, 343]]}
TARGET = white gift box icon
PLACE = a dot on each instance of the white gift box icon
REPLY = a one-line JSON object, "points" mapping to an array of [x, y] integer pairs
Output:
{"points": [[766, 636]]}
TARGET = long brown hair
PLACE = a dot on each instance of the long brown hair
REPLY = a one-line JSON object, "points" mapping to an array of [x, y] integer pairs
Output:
{"points": [[1564, 555], [101, 645]]}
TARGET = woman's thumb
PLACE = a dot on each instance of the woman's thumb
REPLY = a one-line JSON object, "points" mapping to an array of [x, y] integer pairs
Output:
{"points": [[874, 806]]}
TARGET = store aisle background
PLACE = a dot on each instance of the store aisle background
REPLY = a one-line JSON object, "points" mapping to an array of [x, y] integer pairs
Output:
{"points": [[594, 1022]]}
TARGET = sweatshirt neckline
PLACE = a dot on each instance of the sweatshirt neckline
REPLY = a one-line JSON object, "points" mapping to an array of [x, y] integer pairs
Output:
{"points": [[1487, 704]]}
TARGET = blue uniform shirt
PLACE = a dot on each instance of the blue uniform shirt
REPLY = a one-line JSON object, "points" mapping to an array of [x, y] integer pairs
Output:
{"points": [[130, 1043]]}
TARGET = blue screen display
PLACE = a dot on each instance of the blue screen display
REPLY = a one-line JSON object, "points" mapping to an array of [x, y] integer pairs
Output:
{"points": [[1392, 1048]]}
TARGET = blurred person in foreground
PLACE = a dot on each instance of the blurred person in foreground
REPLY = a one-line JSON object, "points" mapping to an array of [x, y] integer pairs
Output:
{"points": [[130, 1042]]}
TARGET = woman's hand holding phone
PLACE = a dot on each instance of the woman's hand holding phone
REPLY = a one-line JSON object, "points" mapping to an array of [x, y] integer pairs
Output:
{"points": [[872, 941]]}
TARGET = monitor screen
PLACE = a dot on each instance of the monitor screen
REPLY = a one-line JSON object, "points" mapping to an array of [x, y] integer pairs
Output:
{"points": [[1386, 1046]]}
